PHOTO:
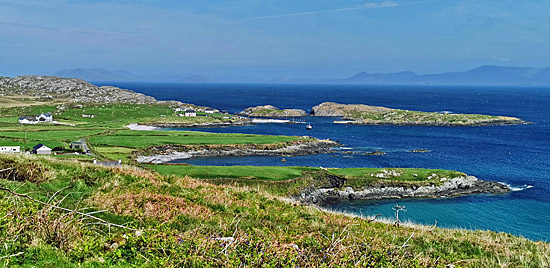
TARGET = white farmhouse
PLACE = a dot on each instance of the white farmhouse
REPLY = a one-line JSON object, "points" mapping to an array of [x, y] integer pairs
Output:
{"points": [[190, 113], [10, 149], [41, 149], [209, 110], [45, 117]]}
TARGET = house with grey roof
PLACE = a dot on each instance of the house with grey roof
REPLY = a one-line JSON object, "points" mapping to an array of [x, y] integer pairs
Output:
{"points": [[41, 149]]}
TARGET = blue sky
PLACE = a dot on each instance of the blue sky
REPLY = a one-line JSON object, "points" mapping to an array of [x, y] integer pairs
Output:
{"points": [[265, 39]]}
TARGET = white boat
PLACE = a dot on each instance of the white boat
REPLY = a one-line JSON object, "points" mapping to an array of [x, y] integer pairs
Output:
{"points": [[309, 127]]}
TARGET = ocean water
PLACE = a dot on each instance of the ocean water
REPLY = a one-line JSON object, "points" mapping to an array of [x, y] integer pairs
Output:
{"points": [[516, 155]]}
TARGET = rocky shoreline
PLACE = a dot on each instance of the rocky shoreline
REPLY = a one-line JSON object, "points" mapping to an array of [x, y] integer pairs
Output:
{"points": [[168, 153], [458, 186]]}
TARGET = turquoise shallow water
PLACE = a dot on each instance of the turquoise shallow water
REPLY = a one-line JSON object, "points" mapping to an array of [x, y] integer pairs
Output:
{"points": [[516, 155]]}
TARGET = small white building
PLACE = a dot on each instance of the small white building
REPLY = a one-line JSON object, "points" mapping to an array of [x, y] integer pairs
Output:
{"points": [[209, 110], [10, 149], [45, 117], [190, 113], [178, 109], [41, 149], [29, 120]]}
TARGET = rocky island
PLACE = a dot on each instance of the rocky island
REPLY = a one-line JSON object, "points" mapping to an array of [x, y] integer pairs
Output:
{"points": [[272, 112], [360, 114]]}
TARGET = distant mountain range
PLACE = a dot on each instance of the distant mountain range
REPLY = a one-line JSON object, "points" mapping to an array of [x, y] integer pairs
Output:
{"points": [[97, 74], [484, 75]]}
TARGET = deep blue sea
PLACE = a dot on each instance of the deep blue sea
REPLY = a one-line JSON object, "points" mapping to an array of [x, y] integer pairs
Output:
{"points": [[516, 155]]}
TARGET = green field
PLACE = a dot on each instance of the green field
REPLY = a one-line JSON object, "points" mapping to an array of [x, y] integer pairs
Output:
{"points": [[110, 115], [143, 139], [232, 172], [107, 131]]}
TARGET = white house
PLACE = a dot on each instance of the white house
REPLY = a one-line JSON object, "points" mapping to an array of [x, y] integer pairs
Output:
{"points": [[41, 149], [45, 117], [178, 109], [10, 149], [190, 113], [209, 110]]}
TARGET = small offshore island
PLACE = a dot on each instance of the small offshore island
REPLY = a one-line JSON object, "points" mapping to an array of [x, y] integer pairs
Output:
{"points": [[272, 112], [103, 194], [360, 114]]}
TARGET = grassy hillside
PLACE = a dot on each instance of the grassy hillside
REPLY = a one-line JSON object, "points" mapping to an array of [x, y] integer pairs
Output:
{"points": [[182, 222]]}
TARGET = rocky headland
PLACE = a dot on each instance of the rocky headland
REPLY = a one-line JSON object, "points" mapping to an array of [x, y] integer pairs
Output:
{"points": [[167, 153], [272, 112], [331, 188], [360, 114], [69, 89]]}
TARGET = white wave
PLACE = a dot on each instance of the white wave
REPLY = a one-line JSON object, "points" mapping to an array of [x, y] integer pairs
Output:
{"points": [[518, 188]]}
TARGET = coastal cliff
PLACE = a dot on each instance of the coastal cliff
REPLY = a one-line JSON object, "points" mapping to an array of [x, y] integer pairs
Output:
{"points": [[272, 111], [167, 153], [326, 188], [360, 114]]}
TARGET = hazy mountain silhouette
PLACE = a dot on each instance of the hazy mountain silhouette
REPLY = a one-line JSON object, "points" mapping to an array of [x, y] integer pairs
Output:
{"points": [[484, 75]]}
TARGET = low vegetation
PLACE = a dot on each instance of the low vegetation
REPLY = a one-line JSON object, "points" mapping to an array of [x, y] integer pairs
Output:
{"points": [[415, 117], [177, 221]]}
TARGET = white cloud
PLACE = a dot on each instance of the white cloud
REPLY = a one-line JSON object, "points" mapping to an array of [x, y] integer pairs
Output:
{"points": [[500, 59], [362, 6]]}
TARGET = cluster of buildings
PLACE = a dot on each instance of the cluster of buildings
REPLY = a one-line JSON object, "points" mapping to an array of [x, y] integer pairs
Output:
{"points": [[38, 149], [189, 112], [43, 117], [45, 150]]}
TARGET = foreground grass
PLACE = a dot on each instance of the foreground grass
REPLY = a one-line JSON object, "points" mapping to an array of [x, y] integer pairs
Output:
{"points": [[183, 222]]}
